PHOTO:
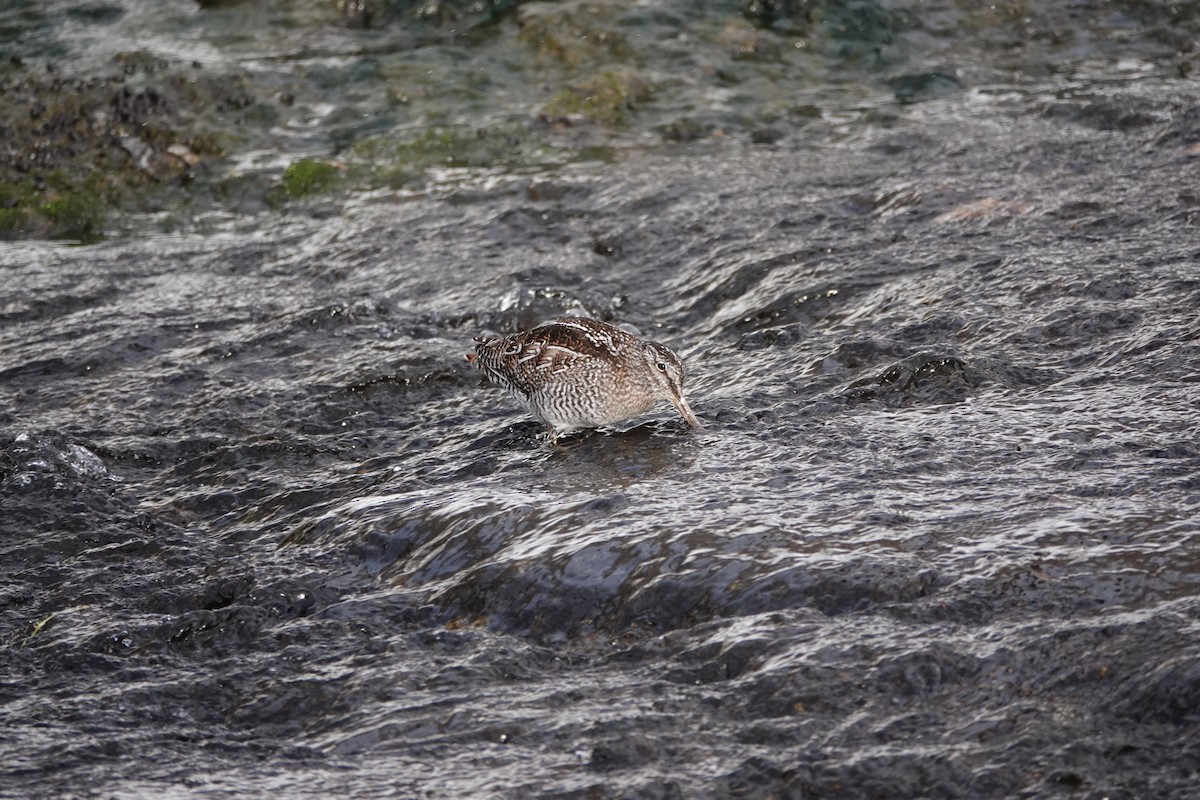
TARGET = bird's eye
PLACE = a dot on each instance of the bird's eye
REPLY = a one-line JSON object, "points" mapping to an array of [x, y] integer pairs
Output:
{"points": [[662, 366]]}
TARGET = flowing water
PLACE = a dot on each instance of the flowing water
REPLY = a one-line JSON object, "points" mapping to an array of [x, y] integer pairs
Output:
{"points": [[265, 533]]}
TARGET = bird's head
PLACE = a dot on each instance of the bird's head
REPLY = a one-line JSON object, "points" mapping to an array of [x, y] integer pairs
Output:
{"points": [[667, 372]]}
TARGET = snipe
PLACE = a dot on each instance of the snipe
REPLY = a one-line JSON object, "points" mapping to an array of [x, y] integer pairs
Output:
{"points": [[576, 373]]}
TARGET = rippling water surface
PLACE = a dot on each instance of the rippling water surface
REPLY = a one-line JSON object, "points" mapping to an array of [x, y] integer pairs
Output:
{"points": [[266, 533]]}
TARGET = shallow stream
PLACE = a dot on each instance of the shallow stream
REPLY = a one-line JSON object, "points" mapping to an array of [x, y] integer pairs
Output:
{"points": [[264, 532]]}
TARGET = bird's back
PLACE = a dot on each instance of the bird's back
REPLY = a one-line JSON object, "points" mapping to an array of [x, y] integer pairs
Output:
{"points": [[572, 372]]}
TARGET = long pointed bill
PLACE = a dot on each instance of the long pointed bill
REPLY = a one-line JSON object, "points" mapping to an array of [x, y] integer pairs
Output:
{"points": [[682, 407]]}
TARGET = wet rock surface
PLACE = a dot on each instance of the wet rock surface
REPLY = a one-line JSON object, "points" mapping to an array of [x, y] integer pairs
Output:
{"points": [[264, 532]]}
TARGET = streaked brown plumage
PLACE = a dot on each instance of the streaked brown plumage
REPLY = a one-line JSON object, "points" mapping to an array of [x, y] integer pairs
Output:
{"points": [[577, 373]]}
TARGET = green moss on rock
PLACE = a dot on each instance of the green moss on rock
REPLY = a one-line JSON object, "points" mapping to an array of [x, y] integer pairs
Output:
{"points": [[131, 138], [75, 215], [59, 207], [609, 98], [573, 34], [308, 177], [13, 222], [383, 161]]}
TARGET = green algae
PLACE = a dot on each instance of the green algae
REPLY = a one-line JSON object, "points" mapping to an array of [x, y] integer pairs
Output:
{"points": [[305, 178], [609, 98], [13, 222], [309, 176], [75, 215], [16, 202], [56, 207], [130, 139], [384, 161], [573, 34]]}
